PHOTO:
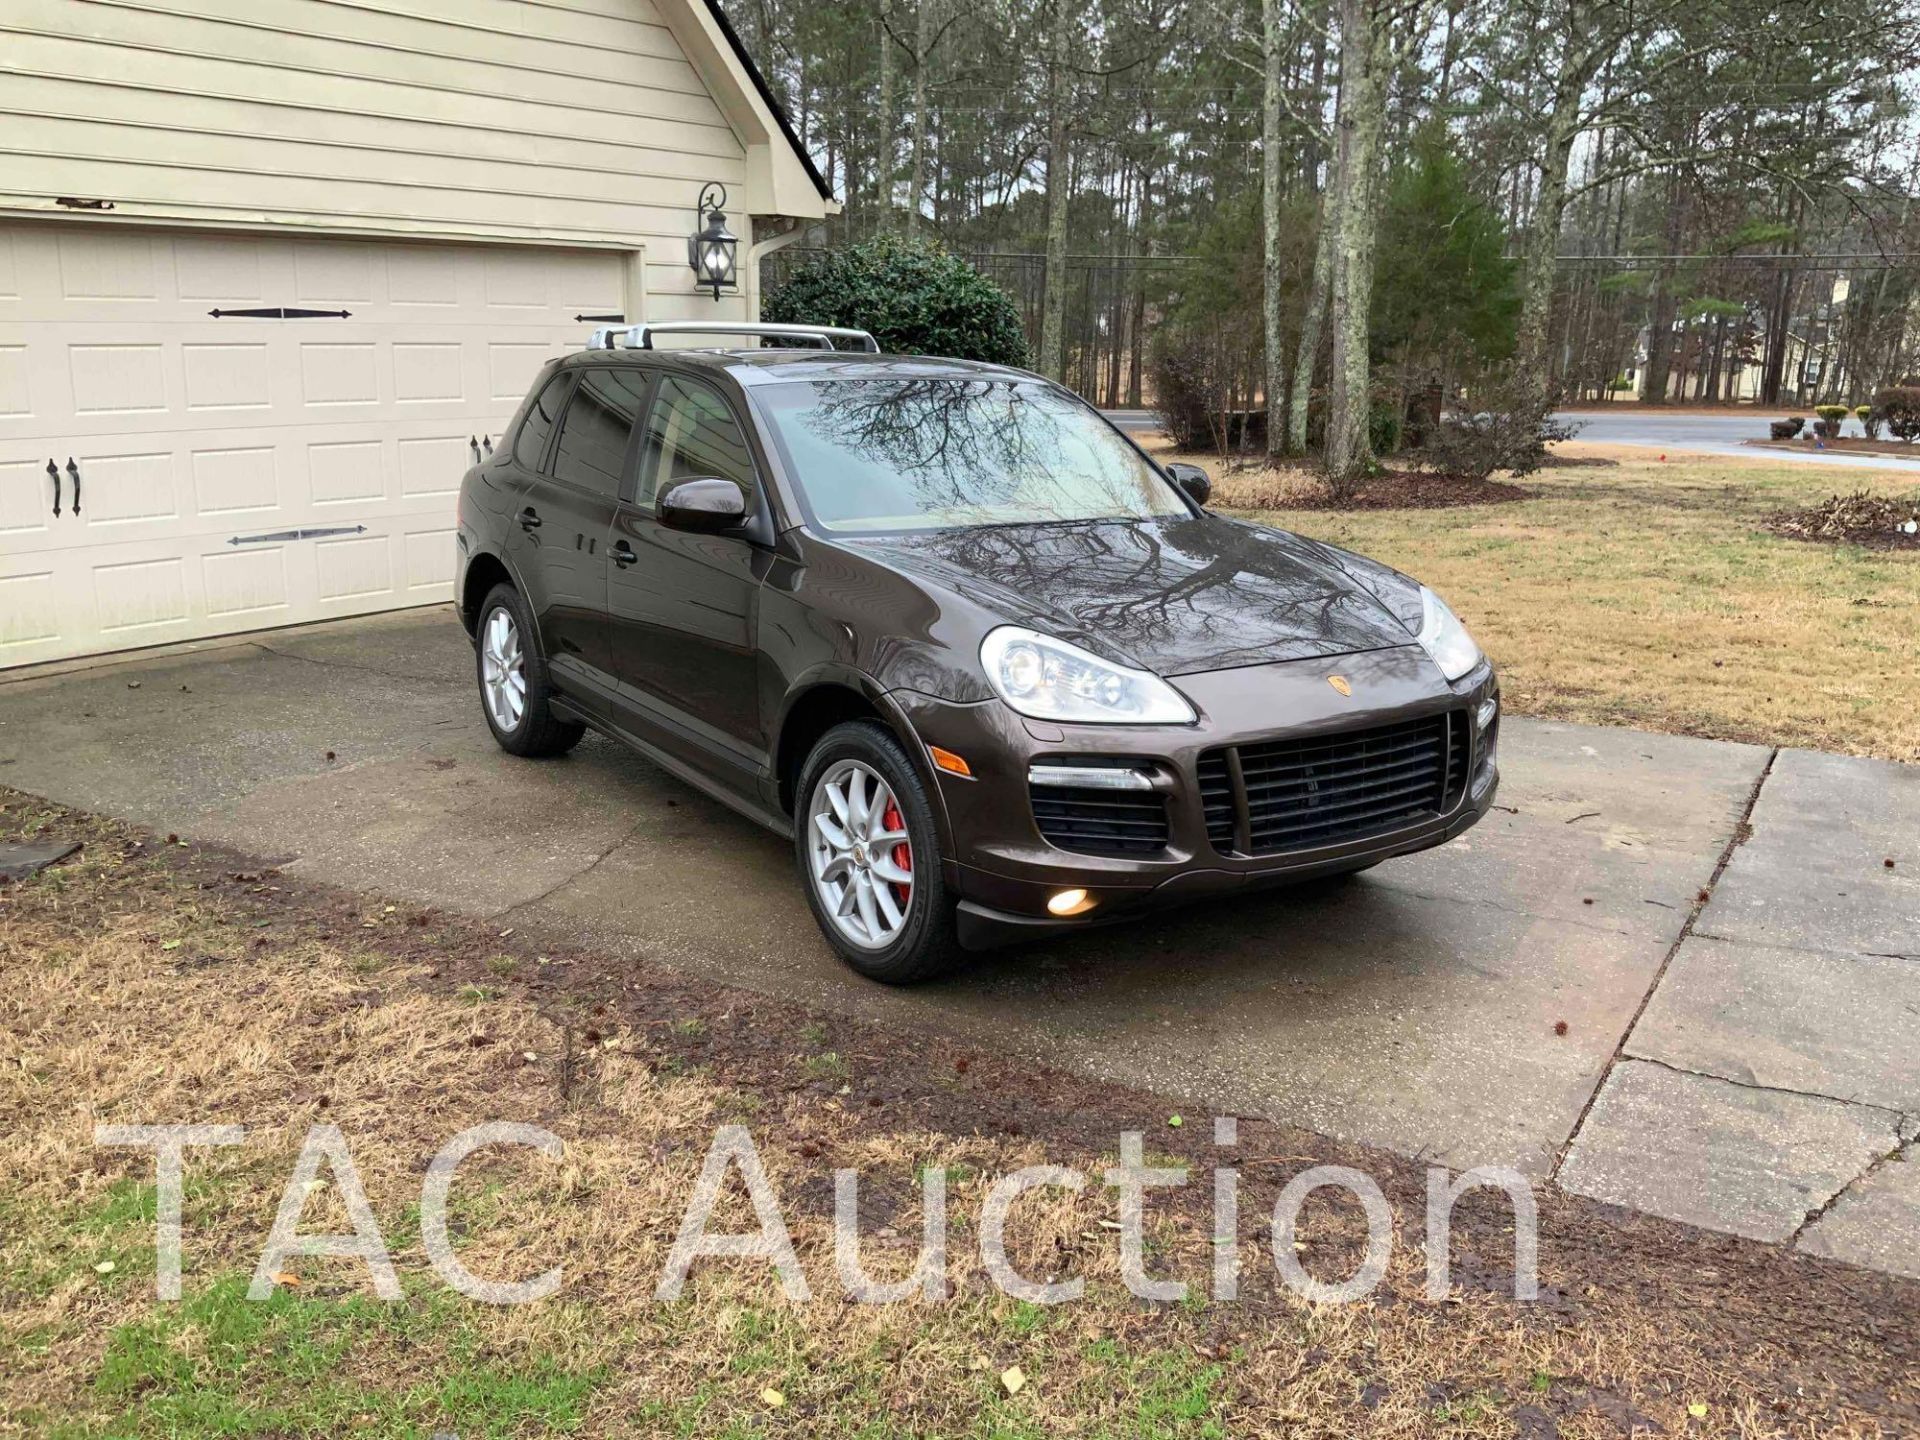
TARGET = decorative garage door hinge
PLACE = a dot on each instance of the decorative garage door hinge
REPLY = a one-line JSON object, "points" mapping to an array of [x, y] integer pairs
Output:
{"points": [[280, 312], [282, 535]]}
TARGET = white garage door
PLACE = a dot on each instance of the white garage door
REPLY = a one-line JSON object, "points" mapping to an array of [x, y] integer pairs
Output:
{"points": [[252, 469]]}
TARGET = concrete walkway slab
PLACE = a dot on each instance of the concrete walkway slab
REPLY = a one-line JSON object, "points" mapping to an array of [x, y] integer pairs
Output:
{"points": [[1877, 1222], [1728, 1157], [1844, 1026], [1814, 874]]}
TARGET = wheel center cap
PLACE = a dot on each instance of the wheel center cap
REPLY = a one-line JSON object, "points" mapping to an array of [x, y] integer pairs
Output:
{"points": [[860, 854]]}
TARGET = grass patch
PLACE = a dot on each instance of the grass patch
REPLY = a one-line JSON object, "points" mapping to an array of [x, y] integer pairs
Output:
{"points": [[1652, 594], [113, 1027]]}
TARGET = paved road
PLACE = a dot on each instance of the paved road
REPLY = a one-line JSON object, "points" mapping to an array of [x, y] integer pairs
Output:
{"points": [[1776, 1066], [1699, 434], [1714, 435]]}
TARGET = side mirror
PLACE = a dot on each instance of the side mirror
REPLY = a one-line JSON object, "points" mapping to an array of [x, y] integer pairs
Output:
{"points": [[707, 506], [1192, 481]]}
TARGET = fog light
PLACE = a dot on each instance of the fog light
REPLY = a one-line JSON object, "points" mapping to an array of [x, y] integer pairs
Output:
{"points": [[1070, 902], [1489, 708]]}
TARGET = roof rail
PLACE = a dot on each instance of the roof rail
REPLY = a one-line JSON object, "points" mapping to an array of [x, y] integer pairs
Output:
{"points": [[640, 337]]}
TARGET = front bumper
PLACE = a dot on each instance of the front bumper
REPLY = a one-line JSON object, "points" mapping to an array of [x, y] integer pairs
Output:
{"points": [[1004, 870]]}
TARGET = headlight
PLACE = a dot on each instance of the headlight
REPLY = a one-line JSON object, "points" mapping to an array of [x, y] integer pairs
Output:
{"points": [[1444, 638], [1048, 679]]}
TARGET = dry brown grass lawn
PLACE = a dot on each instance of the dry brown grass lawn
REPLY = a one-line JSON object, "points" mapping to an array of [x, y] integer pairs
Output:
{"points": [[1648, 593], [143, 982]]}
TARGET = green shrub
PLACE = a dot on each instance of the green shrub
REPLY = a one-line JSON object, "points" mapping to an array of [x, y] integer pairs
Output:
{"points": [[914, 299], [1832, 414], [1899, 407], [1869, 420], [1511, 433], [1383, 426]]}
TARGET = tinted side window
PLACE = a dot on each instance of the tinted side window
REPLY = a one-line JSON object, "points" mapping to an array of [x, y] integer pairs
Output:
{"points": [[691, 434], [600, 420], [536, 426]]}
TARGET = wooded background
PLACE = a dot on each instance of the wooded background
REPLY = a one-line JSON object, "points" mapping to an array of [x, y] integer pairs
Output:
{"points": [[1325, 201]]}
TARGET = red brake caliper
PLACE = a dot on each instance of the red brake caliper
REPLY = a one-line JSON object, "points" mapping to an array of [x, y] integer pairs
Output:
{"points": [[902, 853]]}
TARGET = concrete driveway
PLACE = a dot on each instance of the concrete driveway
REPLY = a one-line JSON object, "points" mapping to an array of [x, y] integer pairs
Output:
{"points": [[1753, 1069]]}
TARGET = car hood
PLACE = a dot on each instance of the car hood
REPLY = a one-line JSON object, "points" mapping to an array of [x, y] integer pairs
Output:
{"points": [[1174, 595]]}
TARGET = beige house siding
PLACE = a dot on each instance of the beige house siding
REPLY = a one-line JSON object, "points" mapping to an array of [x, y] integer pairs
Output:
{"points": [[575, 122]]}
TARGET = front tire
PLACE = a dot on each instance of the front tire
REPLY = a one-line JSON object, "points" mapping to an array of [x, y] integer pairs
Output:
{"points": [[515, 692], [869, 856]]}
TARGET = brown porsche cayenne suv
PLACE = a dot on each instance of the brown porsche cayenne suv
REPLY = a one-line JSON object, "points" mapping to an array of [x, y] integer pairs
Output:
{"points": [[995, 672]]}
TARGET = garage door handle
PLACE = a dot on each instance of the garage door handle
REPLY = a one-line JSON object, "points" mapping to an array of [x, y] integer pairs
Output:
{"points": [[54, 471], [623, 555], [529, 519], [74, 471]]}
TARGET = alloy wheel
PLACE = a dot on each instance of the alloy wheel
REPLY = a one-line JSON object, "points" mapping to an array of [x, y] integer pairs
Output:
{"points": [[503, 670], [861, 860]]}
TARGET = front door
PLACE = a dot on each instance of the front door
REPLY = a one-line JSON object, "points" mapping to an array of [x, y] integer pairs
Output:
{"points": [[561, 522], [681, 607]]}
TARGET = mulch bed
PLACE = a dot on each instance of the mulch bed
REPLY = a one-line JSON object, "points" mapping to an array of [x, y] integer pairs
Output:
{"points": [[1389, 490], [1861, 518]]}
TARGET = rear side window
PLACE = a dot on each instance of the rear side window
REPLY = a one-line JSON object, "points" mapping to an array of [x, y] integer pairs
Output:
{"points": [[691, 434], [599, 423], [536, 426]]}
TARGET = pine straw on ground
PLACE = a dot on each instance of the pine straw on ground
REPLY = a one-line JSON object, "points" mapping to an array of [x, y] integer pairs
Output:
{"points": [[145, 982], [1862, 518]]}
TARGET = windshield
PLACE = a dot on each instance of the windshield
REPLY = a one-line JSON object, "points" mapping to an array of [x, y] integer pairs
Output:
{"points": [[924, 454]]}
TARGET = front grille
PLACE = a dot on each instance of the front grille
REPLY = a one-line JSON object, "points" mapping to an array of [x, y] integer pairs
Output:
{"points": [[1101, 822], [1325, 789]]}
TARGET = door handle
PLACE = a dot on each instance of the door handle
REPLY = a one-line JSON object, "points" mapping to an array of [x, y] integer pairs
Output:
{"points": [[74, 471], [623, 555], [54, 471], [529, 519]]}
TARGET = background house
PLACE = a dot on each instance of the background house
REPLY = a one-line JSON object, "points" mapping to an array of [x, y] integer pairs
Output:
{"points": [[439, 194]]}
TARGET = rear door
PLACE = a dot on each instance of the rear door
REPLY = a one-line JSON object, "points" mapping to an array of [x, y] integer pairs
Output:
{"points": [[681, 607], [560, 524]]}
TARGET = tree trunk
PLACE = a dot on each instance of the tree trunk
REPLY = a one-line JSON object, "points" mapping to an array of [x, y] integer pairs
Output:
{"points": [[1053, 338], [1360, 118], [922, 38], [883, 170], [1533, 349], [1270, 144], [1306, 355]]}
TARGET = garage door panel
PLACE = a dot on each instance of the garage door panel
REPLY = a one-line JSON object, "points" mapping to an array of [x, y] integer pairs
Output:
{"points": [[34, 624], [124, 490], [235, 481], [218, 270], [143, 595], [226, 375], [16, 388], [346, 472], [251, 584], [353, 567], [26, 499], [211, 450]]}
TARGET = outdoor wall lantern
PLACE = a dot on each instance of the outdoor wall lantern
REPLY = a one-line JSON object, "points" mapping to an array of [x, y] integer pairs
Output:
{"points": [[712, 249]]}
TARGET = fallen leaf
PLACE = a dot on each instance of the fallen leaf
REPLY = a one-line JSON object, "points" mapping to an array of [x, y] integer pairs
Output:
{"points": [[1697, 1410], [283, 1278], [105, 1267], [169, 944], [1559, 1027], [773, 1398], [1014, 1378], [1175, 1121]]}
